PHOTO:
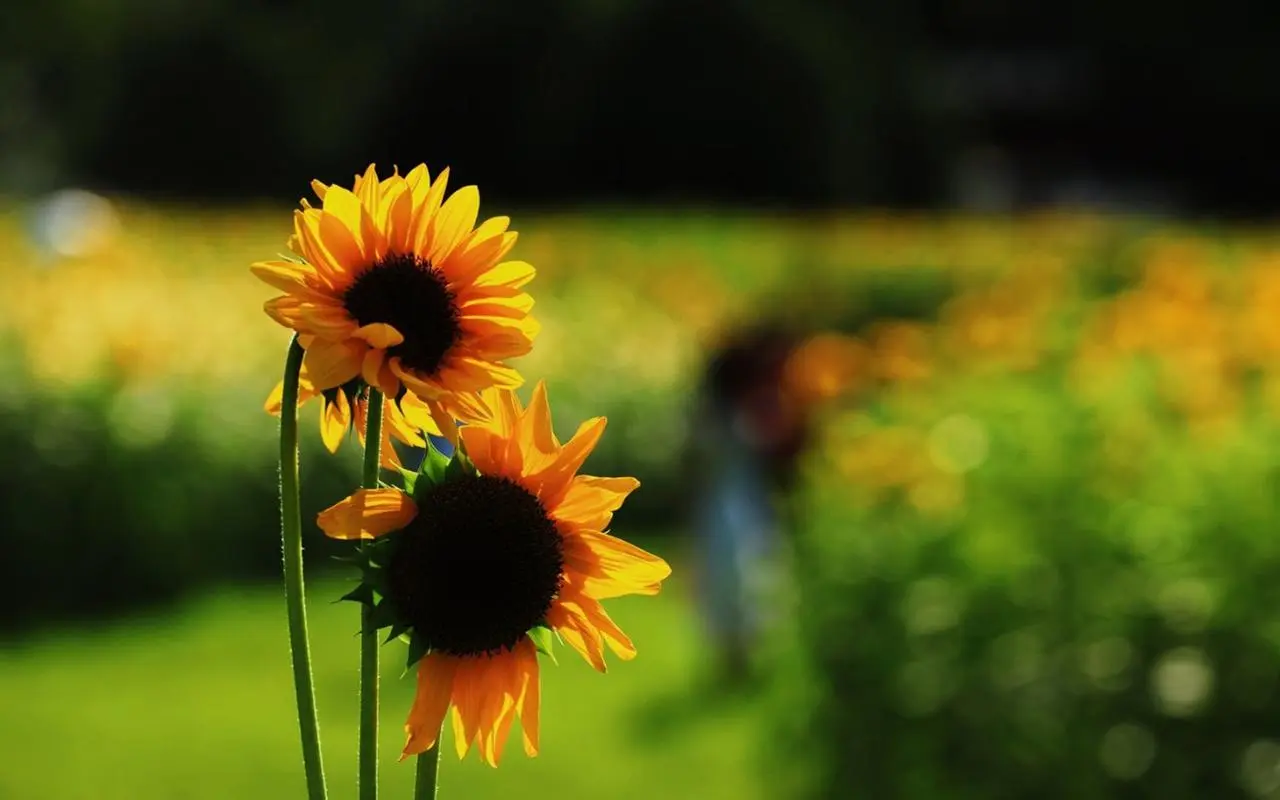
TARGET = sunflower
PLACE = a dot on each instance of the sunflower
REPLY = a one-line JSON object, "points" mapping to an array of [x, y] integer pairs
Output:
{"points": [[345, 407], [400, 289], [486, 557]]}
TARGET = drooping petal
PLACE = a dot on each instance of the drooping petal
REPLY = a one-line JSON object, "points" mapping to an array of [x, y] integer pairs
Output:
{"points": [[332, 364], [528, 699], [335, 421], [379, 334], [430, 702], [368, 514], [576, 630]]}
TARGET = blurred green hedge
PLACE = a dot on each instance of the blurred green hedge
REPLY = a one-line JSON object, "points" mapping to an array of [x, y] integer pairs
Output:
{"points": [[1067, 599]]}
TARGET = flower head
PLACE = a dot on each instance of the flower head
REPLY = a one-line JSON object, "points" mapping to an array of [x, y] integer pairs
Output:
{"points": [[400, 289], [486, 555]]}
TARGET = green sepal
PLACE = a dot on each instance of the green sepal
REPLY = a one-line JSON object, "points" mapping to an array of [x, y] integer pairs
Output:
{"points": [[376, 578], [434, 464], [384, 615], [410, 480], [398, 629], [544, 640], [362, 594], [417, 649], [460, 465]]}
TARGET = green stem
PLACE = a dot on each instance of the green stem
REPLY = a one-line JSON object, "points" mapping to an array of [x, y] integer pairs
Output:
{"points": [[294, 590], [424, 785], [368, 761]]}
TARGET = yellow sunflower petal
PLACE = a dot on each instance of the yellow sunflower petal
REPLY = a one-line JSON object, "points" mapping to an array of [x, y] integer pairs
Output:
{"points": [[513, 274], [288, 277], [399, 204], [576, 630], [395, 421], [430, 703], [335, 421], [454, 223], [613, 567], [618, 641], [379, 334], [332, 364], [368, 514], [285, 310], [554, 480], [367, 190], [530, 695], [426, 203], [469, 687], [499, 704], [326, 320], [418, 176], [418, 414], [339, 238], [590, 502], [377, 373]]}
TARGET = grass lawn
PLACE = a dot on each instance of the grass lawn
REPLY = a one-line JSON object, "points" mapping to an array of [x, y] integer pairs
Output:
{"points": [[196, 702]]}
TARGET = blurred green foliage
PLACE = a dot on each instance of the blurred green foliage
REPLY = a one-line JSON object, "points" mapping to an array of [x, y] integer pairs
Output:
{"points": [[1057, 580]]}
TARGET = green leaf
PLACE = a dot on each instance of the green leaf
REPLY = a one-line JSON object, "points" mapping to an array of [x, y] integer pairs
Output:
{"points": [[544, 641], [417, 649]]}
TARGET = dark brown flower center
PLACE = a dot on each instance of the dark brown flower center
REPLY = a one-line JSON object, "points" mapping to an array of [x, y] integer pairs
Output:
{"points": [[412, 296], [478, 567]]}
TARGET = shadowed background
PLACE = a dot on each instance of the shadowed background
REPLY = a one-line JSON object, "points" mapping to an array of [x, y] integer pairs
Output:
{"points": [[1031, 546]]}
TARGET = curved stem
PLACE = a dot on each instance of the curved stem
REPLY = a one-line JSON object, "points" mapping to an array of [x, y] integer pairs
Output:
{"points": [[368, 756], [425, 782], [294, 589]]}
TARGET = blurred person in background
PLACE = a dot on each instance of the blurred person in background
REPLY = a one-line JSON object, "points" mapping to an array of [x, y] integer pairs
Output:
{"points": [[748, 434]]}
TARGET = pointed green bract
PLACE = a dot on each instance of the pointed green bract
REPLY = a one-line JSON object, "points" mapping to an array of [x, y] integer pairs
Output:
{"points": [[433, 467], [544, 639], [418, 648]]}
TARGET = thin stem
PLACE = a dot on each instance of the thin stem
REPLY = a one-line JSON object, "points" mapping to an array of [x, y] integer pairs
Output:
{"points": [[425, 782], [294, 590], [368, 760]]}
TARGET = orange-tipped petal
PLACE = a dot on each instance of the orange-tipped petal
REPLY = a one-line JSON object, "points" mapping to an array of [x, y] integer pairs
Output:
{"points": [[530, 694], [577, 631], [430, 703], [368, 514]]}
